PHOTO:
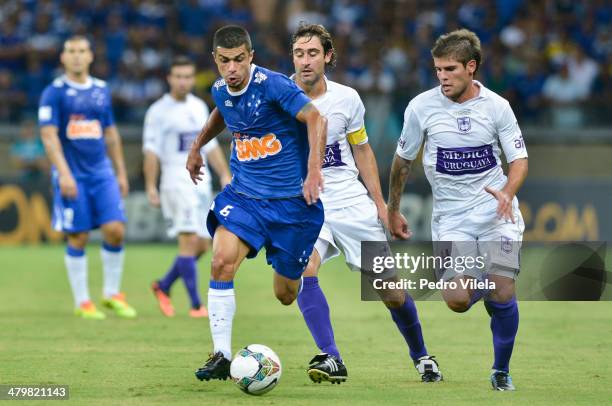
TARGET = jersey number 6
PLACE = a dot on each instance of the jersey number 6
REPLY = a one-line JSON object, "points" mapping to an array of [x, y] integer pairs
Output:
{"points": [[226, 210]]}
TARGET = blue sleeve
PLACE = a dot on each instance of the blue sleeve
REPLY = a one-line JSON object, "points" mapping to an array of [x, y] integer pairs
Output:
{"points": [[108, 119], [287, 94], [49, 107]]}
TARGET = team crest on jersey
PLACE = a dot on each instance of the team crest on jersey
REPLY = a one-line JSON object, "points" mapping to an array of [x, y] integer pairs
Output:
{"points": [[79, 128], [506, 244], [255, 148], [260, 77], [464, 124], [219, 83]]}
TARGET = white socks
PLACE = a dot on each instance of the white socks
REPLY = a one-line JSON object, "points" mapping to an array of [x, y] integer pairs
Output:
{"points": [[76, 264], [221, 310], [112, 265]]}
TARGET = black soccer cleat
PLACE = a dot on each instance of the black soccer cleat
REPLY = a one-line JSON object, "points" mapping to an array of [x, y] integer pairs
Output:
{"points": [[216, 367], [501, 381], [428, 367], [326, 367]]}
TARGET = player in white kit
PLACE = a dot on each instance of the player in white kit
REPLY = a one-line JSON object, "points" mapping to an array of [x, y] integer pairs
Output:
{"points": [[351, 214], [171, 125], [465, 126]]}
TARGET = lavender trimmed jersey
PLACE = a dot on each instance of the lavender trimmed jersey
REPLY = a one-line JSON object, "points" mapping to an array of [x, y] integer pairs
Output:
{"points": [[269, 146], [463, 144]]}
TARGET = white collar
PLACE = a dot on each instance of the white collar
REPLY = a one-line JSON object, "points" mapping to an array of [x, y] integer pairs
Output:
{"points": [[81, 86]]}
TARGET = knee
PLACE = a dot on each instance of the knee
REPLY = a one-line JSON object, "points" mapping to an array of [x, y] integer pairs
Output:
{"points": [[78, 241], [114, 234], [286, 297], [393, 303], [221, 267], [393, 299], [458, 305]]}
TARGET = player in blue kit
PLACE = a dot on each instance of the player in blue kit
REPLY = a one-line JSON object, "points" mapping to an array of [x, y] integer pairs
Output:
{"points": [[273, 199], [79, 134]]}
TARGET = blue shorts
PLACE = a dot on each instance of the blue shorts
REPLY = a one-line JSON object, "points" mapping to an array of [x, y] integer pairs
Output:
{"points": [[98, 202], [288, 228]]}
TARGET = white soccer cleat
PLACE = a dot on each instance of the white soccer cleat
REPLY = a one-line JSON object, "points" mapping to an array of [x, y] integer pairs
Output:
{"points": [[428, 368]]}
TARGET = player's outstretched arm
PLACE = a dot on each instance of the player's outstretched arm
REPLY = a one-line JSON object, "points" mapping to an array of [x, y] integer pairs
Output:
{"points": [[400, 170], [53, 147], [115, 152], [150, 170], [368, 170], [517, 173], [211, 129], [317, 137], [217, 161]]}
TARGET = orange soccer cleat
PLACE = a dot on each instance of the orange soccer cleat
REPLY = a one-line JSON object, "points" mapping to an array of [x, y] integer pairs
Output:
{"points": [[202, 312], [165, 304]]}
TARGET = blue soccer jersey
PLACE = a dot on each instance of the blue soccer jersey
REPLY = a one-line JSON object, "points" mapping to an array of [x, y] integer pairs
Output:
{"points": [[81, 112], [269, 146]]}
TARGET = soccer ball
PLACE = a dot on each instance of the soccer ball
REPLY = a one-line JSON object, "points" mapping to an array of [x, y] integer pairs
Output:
{"points": [[256, 369]]}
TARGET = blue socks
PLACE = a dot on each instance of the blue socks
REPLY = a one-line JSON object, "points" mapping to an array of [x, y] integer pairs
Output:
{"points": [[315, 310], [504, 325], [407, 321], [184, 267], [169, 278]]}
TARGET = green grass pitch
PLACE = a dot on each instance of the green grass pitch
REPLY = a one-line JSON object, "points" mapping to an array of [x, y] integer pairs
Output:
{"points": [[563, 353]]}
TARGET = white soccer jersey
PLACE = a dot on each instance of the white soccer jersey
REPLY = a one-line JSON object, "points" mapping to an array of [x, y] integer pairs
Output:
{"points": [[462, 145], [170, 128], [344, 111]]}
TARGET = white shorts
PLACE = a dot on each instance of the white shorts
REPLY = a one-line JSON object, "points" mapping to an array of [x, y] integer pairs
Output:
{"points": [[185, 210], [479, 232], [345, 228]]}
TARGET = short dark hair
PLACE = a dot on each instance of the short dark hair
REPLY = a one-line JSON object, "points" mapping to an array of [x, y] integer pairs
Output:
{"points": [[462, 45], [180, 60], [231, 36], [316, 30]]}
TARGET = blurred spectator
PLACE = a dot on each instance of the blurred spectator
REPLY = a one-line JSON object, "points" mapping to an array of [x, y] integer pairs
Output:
{"points": [[564, 94], [383, 46], [28, 154], [582, 69], [43, 40], [13, 98], [528, 87]]}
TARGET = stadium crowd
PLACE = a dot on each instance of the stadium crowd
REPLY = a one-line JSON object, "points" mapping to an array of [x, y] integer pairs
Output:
{"points": [[552, 55]]}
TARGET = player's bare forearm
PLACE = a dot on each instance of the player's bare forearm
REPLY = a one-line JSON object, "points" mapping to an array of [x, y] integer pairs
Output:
{"points": [[53, 148], [150, 170], [218, 163], [400, 170], [317, 134], [115, 150], [517, 173], [368, 170], [213, 127]]}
